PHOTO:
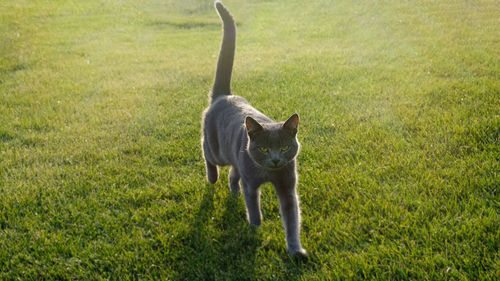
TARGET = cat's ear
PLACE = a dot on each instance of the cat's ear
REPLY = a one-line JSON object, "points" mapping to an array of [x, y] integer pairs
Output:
{"points": [[253, 126], [292, 124]]}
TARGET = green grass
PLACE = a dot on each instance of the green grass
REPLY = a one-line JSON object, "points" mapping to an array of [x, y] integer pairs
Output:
{"points": [[101, 173]]}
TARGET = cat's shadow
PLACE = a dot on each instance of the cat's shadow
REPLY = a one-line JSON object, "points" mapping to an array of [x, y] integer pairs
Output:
{"points": [[222, 247]]}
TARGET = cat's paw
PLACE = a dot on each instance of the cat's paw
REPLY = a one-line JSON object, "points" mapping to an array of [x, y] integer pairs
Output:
{"points": [[254, 222], [212, 179], [300, 254], [235, 188], [212, 173]]}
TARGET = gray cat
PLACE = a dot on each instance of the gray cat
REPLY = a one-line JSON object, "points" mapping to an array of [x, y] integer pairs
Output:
{"points": [[258, 149]]}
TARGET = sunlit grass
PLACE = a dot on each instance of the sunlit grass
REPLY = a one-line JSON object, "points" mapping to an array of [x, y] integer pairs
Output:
{"points": [[101, 174]]}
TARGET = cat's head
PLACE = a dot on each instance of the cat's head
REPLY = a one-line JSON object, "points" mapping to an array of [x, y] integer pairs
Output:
{"points": [[273, 145]]}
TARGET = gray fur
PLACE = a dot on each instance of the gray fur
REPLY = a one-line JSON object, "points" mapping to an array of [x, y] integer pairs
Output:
{"points": [[222, 83], [258, 149]]}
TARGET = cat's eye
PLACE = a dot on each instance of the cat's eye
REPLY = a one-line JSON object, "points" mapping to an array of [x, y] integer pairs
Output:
{"points": [[285, 148], [264, 149]]}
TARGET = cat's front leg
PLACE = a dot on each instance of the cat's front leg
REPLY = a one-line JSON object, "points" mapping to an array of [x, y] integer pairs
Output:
{"points": [[234, 180], [290, 213], [251, 193]]}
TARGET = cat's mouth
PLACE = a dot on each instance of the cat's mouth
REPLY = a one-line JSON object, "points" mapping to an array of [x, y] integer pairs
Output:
{"points": [[275, 166], [269, 167]]}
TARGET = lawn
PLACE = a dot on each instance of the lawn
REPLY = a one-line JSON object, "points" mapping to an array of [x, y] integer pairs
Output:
{"points": [[101, 170]]}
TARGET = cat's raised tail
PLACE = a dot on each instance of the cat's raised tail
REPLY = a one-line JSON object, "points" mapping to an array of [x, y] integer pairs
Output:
{"points": [[222, 83]]}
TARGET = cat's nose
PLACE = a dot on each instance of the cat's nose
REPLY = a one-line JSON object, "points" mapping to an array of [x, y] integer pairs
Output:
{"points": [[276, 161]]}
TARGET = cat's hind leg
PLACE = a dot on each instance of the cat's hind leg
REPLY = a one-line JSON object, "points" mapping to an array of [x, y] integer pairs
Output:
{"points": [[234, 180], [212, 172]]}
